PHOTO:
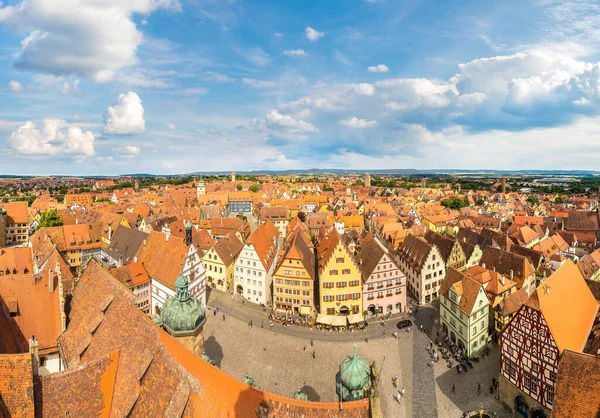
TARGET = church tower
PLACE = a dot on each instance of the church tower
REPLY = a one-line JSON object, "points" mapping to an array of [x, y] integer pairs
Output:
{"points": [[233, 176], [367, 180], [200, 189]]}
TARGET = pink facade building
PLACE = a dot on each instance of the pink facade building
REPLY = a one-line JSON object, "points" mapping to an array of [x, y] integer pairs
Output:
{"points": [[384, 284]]}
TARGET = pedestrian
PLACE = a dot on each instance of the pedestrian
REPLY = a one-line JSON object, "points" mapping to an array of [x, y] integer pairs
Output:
{"points": [[311, 342], [478, 388], [367, 340], [314, 354], [453, 389], [397, 397], [250, 323], [215, 312], [223, 317], [402, 392], [305, 349]]}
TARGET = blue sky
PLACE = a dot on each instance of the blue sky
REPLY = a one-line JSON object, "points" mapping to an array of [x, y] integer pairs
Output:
{"points": [[172, 86]]}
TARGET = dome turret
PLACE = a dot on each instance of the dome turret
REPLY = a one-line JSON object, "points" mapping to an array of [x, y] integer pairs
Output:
{"points": [[182, 314], [353, 378]]}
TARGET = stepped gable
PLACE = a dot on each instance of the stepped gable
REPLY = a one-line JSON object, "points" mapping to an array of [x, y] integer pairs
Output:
{"points": [[414, 251], [443, 244], [16, 386], [155, 374], [577, 389]]}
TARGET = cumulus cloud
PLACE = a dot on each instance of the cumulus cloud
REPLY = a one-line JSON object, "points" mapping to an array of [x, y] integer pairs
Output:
{"points": [[52, 139], [131, 150], [380, 68], [126, 117], [15, 86], [356, 123], [92, 39], [312, 34], [259, 83], [275, 119], [171, 126], [294, 52]]}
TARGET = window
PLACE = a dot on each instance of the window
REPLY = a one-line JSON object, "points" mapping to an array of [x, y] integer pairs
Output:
{"points": [[333, 272], [553, 376], [534, 368], [534, 384], [526, 380], [346, 271], [550, 392], [305, 283], [339, 260], [474, 330]]}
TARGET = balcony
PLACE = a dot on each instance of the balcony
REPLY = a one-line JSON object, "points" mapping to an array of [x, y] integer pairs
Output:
{"points": [[371, 288], [389, 285], [380, 286], [379, 297], [371, 298]]}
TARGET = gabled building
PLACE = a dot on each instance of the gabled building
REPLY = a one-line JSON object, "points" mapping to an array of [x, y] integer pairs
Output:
{"points": [[135, 277], [449, 248], [219, 262], [278, 215], [464, 312], [384, 284], [294, 277], [423, 266], [14, 223], [558, 316], [124, 248], [340, 281], [255, 265]]}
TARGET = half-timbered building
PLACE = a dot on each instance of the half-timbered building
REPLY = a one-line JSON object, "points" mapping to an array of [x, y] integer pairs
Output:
{"points": [[558, 315]]}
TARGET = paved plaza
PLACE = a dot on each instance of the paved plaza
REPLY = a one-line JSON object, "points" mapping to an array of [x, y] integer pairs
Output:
{"points": [[276, 358]]}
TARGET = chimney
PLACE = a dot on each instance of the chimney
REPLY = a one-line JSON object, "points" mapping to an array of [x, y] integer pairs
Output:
{"points": [[76, 221], [502, 279], [511, 275], [109, 232], [483, 265], [167, 237], [35, 356]]}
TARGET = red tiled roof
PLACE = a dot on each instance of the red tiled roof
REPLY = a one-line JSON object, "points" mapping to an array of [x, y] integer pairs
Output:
{"points": [[16, 386]]}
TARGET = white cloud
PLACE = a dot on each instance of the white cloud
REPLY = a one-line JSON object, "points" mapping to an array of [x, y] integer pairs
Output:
{"points": [[356, 123], [278, 35], [412, 93], [259, 83], [257, 56], [275, 119], [380, 68], [190, 91], [131, 150], [341, 58], [363, 89], [294, 52], [52, 140], [312, 34], [144, 22], [221, 78], [126, 117], [92, 39], [171, 126], [15, 86]]}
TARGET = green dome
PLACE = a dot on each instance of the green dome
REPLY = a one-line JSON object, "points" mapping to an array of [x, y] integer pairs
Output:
{"points": [[182, 314], [188, 225], [353, 378]]}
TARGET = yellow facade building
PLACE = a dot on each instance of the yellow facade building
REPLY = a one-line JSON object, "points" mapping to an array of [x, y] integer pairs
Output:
{"points": [[340, 285]]}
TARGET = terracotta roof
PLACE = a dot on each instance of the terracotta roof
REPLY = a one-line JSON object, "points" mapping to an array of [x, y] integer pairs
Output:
{"points": [[156, 375], [298, 246], [513, 302], [156, 251], [38, 310], [16, 386], [59, 394], [577, 388], [277, 213], [534, 257], [228, 248], [414, 251], [126, 244], [587, 265], [582, 221], [223, 226], [16, 261], [264, 241], [466, 288], [568, 306], [133, 274], [16, 212], [504, 262], [370, 254]]}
